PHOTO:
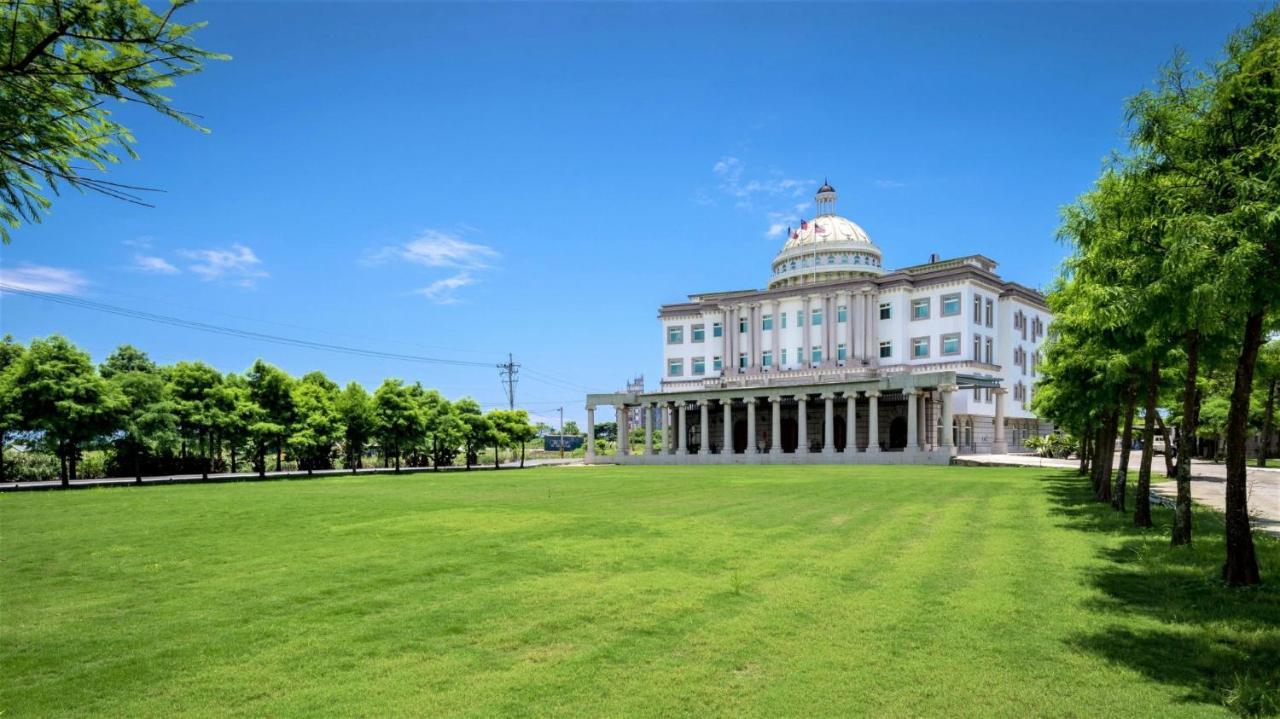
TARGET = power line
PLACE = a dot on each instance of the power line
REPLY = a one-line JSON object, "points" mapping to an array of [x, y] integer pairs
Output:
{"points": [[232, 331]]}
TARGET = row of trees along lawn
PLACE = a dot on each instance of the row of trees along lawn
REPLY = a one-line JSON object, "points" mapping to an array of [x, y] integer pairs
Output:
{"points": [[189, 417], [1173, 281]]}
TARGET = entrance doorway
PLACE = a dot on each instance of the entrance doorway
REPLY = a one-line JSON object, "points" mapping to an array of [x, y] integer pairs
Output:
{"points": [[898, 433]]}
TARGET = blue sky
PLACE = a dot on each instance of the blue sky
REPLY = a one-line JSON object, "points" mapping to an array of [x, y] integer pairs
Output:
{"points": [[461, 181]]}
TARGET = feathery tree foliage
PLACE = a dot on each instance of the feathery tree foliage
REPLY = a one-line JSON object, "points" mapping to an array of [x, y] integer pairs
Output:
{"points": [[63, 64]]}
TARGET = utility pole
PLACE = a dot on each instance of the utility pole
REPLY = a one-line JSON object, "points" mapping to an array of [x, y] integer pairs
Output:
{"points": [[562, 432], [507, 373]]}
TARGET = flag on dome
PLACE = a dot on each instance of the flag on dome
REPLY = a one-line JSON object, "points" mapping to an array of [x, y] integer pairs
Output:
{"points": [[819, 229], [804, 224]]}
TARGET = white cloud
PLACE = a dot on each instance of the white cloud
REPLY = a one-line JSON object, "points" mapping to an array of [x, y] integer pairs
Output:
{"points": [[771, 189], [890, 184], [153, 264], [434, 248], [441, 249], [43, 278], [141, 242], [443, 291], [236, 264]]}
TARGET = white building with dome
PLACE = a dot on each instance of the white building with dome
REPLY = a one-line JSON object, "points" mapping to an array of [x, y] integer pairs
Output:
{"points": [[841, 360]]}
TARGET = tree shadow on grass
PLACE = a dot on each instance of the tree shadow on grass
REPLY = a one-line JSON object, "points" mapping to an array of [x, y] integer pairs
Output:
{"points": [[1221, 645]]}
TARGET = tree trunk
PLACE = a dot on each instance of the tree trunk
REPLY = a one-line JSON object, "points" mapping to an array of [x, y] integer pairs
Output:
{"points": [[1142, 500], [137, 464], [397, 453], [1104, 456], [497, 456], [1126, 441], [1169, 471], [1084, 452], [1186, 440], [522, 455], [71, 462], [262, 461], [1267, 417], [62, 466], [205, 460], [233, 458], [279, 451], [1241, 567]]}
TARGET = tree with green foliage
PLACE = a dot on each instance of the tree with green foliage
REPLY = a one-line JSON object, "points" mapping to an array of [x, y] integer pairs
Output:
{"points": [[63, 65], [10, 352], [571, 427], [148, 416], [317, 425], [200, 404], [126, 358], [1268, 379], [58, 393], [272, 390], [355, 412], [512, 429], [477, 431], [397, 419], [444, 430]]}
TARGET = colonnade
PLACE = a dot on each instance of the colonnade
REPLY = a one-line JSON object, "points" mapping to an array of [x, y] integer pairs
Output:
{"points": [[677, 420], [858, 333]]}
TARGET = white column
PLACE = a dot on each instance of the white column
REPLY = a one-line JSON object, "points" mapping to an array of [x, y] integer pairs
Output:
{"points": [[806, 331], [751, 425], [775, 339], [624, 431], [873, 328], [727, 446], [852, 321], [913, 419], [873, 422], [802, 424], [945, 441], [775, 421], [828, 424], [668, 429], [730, 341], [851, 421], [681, 431], [726, 346], [998, 444], [647, 408], [704, 427], [591, 433], [856, 321]]}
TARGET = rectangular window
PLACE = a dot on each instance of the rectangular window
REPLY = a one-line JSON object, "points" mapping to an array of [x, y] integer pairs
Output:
{"points": [[977, 310], [799, 318], [783, 317], [783, 359], [951, 344], [716, 364], [977, 394], [886, 311], [919, 347], [990, 351], [800, 355], [920, 309], [675, 367], [675, 335], [698, 333], [699, 365], [840, 352], [977, 348], [766, 358], [815, 353], [766, 323], [886, 350], [717, 330], [742, 325], [842, 314], [742, 360], [817, 317], [950, 305], [990, 313]]}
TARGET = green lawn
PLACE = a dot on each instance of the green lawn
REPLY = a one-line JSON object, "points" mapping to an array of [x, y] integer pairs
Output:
{"points": [[609, 591]]}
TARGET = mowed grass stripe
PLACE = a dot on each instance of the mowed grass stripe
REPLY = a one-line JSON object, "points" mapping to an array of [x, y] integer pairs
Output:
{"points": [[758, 591]]}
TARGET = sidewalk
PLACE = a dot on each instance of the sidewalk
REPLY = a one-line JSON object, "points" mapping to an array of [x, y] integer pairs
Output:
{"points": [[1208, 483], [254, 476]]}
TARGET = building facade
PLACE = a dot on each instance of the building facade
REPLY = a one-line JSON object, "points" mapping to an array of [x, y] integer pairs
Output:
{"points": [[841, 360]]}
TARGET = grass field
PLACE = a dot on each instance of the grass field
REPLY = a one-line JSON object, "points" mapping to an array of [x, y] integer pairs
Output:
{"points": [[798, 591]]}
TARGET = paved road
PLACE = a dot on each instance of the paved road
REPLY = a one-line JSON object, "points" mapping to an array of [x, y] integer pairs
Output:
{"points": [[1208, 484], [253, 476]]}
